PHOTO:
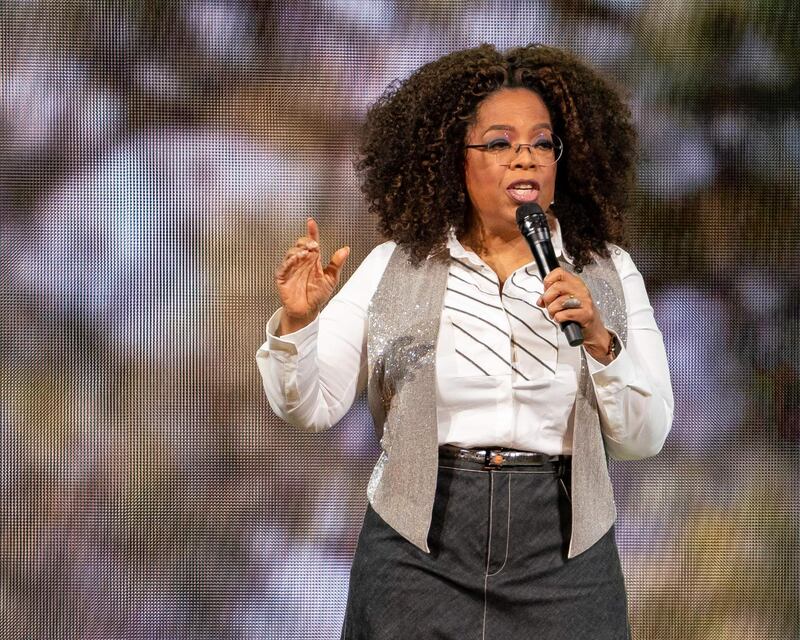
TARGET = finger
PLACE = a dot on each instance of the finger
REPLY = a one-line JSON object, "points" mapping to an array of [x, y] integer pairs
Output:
{"points": [[297, 259], [554, 276], [313, 229], [306, 242], [337, 260], [558, 305], [297, 249], [575, 315], [554, 291], [284, 271], [568, 301]]}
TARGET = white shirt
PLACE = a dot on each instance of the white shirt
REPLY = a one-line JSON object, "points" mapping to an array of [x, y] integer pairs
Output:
{"points": [[499, 382]]}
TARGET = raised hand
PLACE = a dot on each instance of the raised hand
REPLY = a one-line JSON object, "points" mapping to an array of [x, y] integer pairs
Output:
{"points": [[304, 286]]}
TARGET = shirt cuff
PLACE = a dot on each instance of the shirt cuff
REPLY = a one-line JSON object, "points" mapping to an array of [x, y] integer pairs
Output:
{"points": [[291, 344], [617, 374]]}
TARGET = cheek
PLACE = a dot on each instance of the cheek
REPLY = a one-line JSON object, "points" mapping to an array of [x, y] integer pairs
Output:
{"points": [[475, 180], [483, 173], [551, 184], [468, 179]]}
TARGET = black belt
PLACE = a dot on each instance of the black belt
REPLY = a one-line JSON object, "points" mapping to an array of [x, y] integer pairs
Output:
{"points": [[496, 458]]}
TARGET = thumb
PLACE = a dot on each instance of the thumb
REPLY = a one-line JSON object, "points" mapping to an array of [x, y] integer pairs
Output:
{"points": [[337, 260]]}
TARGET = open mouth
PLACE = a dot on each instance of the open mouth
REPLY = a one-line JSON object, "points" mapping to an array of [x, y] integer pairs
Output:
{"points": [[523, 191]]}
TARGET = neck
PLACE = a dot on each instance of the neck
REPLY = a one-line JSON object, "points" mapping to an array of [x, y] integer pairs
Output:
{"points": [[502, 248]]}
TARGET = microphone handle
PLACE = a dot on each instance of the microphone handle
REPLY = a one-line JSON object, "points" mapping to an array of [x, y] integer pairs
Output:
{"points": [[546, 260]]}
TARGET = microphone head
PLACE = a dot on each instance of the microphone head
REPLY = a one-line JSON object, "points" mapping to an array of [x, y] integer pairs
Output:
{"points": [[530, 215]]}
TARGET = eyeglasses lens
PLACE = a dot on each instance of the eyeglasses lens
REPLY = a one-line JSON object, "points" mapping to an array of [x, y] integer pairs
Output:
{"points": [[546, 149]]}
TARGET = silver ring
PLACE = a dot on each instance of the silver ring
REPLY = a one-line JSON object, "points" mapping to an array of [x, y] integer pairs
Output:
{"points": [[571, 303]]}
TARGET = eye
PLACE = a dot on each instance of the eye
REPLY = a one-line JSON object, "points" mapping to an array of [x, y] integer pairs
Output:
{"points": [[544, 144], [498, 144]]}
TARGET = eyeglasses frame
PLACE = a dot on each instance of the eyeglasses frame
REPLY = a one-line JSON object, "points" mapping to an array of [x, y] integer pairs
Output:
{"points": [[518, 147]]}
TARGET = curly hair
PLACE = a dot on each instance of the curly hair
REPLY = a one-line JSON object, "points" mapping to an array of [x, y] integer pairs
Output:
{"points": [[412, 150]]}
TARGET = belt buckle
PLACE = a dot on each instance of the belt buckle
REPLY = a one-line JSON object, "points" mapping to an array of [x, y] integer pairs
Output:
{"points": [[494, 459]]}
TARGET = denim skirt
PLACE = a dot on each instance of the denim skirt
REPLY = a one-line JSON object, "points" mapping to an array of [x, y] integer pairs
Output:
{"points": [[497, 569]]}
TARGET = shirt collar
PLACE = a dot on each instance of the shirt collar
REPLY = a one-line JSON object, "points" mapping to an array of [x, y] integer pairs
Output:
{"points": [[458, 251], [558, 243]]}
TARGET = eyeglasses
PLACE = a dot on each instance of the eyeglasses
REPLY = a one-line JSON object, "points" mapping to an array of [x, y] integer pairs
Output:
{"points": [[546, 149]]}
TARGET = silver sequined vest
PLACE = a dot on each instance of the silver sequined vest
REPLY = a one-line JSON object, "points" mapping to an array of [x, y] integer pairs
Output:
{"points": [[404, 318]]}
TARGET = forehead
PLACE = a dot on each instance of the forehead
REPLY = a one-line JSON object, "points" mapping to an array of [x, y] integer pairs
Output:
{"points": [[516, 107]]}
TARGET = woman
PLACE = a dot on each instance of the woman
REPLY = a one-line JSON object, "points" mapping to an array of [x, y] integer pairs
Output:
{"points": [[490, 509]]}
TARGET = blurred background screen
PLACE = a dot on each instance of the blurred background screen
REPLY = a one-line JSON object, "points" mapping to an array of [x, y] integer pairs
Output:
{"points": [[157, 158]]}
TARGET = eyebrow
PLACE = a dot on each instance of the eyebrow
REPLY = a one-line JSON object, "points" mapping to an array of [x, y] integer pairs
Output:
{"points": [[508, 127]]}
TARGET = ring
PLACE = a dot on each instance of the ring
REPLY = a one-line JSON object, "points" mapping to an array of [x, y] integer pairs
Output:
{"points": [[571, 303]]}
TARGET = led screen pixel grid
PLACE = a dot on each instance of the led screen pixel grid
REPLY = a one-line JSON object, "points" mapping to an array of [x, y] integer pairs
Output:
{"points": [[156, 159]]}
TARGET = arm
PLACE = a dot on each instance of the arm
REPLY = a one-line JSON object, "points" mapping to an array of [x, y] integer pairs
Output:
{"points": [[312, 375], [634, 391]]}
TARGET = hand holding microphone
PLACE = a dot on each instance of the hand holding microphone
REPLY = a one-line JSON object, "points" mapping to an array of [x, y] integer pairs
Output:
{"points": [[565, 297]]}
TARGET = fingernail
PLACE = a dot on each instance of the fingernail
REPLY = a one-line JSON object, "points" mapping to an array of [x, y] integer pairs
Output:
{"points": [[313, 244]]}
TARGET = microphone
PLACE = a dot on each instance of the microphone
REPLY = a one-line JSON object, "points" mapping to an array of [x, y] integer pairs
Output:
{"points": [[532, 224]]}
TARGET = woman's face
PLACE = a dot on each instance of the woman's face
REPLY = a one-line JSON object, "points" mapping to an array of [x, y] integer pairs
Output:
{"points": [[496, 188]]}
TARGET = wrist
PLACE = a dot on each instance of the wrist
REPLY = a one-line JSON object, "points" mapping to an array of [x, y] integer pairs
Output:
{"points": [[604, 349], [290, 323]]}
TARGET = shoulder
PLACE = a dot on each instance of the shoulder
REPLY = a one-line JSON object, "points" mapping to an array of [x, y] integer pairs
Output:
{"points": [[621, 260], [633, 286], [367, 276], [380, 254], [400, 257]]}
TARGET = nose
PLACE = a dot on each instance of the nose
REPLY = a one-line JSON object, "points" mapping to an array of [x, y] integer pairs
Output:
{"points": [[526, 159]]}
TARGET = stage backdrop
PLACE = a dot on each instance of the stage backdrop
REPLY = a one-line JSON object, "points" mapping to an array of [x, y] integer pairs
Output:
{"points": [[156, 159]]}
